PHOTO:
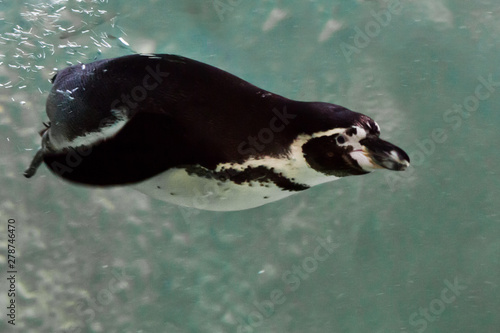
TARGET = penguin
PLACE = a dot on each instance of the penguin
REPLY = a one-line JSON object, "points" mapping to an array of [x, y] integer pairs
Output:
{"points": [[194, 135]]}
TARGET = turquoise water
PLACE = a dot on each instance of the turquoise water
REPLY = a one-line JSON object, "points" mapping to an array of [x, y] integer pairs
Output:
{"points": [[387, 252]]}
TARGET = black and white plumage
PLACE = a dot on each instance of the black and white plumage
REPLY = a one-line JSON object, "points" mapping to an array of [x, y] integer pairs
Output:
{"points": [[194, 135]]}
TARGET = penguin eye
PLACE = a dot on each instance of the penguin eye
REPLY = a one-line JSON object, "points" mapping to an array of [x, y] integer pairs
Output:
{"points": [[340, 139]]}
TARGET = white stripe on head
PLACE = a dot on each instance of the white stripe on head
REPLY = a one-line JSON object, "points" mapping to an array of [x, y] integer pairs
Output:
{"points": [[327, 133], [293, 166]]}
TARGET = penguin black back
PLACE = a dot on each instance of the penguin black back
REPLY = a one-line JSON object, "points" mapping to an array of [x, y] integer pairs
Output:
{"points": [[173, 100]]}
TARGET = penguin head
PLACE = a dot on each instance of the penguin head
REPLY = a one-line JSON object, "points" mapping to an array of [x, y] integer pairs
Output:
{"points": [[353, 150]]}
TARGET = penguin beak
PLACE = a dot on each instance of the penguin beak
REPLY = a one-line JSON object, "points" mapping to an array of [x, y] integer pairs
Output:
{"points": [[383, 154]]}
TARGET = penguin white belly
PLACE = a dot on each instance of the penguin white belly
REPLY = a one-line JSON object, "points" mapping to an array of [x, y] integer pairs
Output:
{"points": [[178, 187]]}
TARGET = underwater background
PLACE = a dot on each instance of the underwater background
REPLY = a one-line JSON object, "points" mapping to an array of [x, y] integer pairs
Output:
{"points": [[416, 251]]}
